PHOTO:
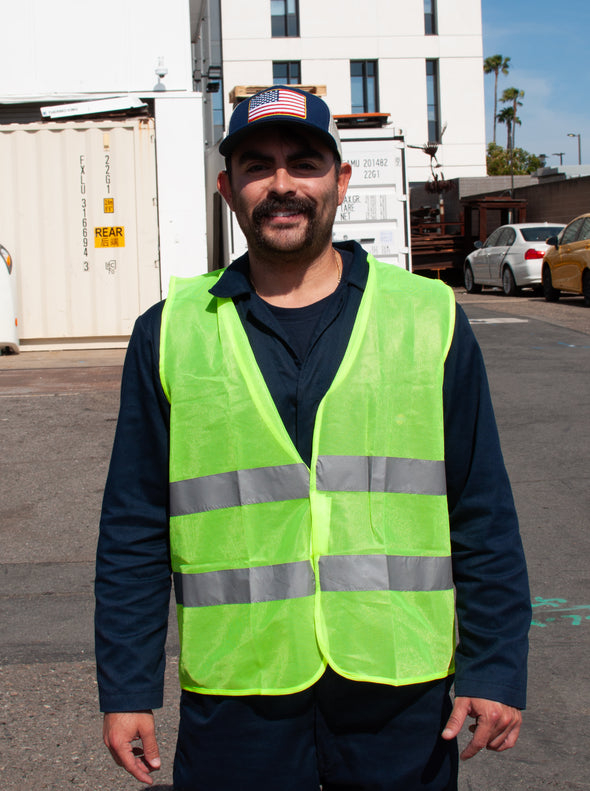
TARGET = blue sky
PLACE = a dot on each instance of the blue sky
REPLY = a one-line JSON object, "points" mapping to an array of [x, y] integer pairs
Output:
{"points": [[548, 44]]}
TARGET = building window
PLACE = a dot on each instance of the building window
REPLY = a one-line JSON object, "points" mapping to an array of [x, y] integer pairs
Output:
{"points": [[364, 86], [430, 27], [432, 100], [286, 72], [284, 17], [218, 115]]}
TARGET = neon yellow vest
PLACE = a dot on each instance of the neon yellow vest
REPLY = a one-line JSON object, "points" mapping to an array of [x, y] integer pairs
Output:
{"points": [[280, 569]]}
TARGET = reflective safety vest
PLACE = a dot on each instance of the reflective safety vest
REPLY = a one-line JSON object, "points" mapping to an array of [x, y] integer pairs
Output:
{"points": [[280, 569]]}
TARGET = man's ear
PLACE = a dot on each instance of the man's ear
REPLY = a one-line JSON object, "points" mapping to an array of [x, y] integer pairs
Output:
{"points": [[343, 179], [224, 187]]}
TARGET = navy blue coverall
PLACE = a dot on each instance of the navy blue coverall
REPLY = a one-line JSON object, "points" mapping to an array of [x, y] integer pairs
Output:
{"points": [[339, 733]]}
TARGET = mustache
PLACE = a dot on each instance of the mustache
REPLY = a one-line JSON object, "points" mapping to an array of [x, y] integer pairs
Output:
{"points": [[269, 206]]}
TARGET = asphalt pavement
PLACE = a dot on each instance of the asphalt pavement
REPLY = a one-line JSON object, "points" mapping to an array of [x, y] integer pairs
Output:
{"points": [[58, 413]]}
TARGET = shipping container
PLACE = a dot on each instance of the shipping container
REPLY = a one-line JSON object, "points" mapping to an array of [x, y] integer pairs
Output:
{"points": [[375, 209], [78, 211]]}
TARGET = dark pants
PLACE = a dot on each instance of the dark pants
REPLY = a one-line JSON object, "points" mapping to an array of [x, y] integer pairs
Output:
{"points": [[339, 734]]}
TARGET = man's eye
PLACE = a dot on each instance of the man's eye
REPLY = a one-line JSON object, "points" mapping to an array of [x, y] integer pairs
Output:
{"points": [[255, 167]]}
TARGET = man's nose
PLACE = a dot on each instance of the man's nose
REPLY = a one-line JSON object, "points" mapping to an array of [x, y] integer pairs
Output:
{"points": [[282, 182]]}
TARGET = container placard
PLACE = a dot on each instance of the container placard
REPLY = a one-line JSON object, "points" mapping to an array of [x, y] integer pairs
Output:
{"points": [[112, 236]]}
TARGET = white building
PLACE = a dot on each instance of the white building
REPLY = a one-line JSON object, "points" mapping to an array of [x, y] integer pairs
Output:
{"points": [[418, 60], [101, 203]]}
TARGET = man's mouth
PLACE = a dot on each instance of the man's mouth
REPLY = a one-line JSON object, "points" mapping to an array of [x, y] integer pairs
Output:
{"points": [[279, 215], [273, 211]]}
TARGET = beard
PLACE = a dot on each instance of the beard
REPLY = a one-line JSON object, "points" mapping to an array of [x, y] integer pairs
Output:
{"points": [[271, 206]]}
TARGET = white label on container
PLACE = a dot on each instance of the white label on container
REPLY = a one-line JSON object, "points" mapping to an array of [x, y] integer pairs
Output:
{"points": [[370, 167], [367, 206]]}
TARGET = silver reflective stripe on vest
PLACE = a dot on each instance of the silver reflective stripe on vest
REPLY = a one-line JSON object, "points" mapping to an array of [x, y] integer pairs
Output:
{"points": [[385, 573], [245, 586], [380, 474], [239, 487]]}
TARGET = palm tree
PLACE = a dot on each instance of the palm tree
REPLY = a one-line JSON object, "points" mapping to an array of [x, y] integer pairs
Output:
{"points": [[496, 64], [513, 95], [506, 116]]}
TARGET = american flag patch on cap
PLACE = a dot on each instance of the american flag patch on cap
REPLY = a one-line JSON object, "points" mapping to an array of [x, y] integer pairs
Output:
{"points": [[277, 102]]}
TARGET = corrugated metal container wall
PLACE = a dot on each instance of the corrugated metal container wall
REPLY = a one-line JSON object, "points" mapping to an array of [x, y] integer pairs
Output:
{"points": [[78, 210]]}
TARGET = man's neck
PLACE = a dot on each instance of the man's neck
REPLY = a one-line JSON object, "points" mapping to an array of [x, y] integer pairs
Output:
{"points": [[293, 284]]}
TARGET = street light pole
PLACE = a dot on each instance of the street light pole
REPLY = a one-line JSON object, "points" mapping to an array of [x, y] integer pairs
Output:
{"points": [[572, 134]]}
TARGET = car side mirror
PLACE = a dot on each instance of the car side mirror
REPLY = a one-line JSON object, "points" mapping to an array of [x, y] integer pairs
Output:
{"points": [[478, 245], [553, 241]]}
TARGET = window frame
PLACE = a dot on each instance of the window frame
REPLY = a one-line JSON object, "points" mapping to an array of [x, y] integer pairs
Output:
{"points": [[507, 237], [285, 24], [370, 95], [539, 233], [288, 64], [576, 226], [492, 239], [433, 107], [430, 18]]}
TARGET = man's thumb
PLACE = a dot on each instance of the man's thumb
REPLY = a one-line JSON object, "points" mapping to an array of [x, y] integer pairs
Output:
{"points": [[151, 753], [457, 718]]}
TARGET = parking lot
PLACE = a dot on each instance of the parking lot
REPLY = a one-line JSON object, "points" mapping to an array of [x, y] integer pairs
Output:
{"points": [[58, 418]]}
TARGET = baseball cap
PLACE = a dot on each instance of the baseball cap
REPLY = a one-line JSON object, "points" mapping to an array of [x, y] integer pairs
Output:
{"points": [[284, 105]]}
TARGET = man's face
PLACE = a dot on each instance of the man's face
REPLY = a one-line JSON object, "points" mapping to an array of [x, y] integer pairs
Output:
{"points": [[284, 189]]}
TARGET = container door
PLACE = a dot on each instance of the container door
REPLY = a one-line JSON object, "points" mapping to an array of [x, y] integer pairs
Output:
{"points": [[375, 208]]}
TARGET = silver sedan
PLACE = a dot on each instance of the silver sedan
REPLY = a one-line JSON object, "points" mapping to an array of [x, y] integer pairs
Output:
{"points": [[510, 258]]}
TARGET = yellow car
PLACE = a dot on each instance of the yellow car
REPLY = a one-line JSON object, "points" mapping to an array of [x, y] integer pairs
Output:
{"points": [[566, 264]]}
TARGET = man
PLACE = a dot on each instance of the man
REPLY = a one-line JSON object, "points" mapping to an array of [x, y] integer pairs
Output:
{"points": [[306, 440]]}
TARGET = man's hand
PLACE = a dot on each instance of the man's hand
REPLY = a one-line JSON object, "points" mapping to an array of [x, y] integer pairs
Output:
{"points": [[120, 730], [496, 725]]}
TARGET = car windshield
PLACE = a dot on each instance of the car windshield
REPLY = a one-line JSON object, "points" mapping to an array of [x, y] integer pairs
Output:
{"points": [[540, 234]]}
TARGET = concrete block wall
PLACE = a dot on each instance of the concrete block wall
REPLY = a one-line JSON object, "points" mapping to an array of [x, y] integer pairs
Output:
{"points": [[559, 201], [555, 201]]}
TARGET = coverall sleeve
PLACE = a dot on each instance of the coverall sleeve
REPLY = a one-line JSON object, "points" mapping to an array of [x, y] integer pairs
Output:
{"points": [[133, 576], [492, 593]]}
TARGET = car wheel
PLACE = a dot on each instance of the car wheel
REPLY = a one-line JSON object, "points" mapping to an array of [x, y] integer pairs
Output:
{"points": [[508, 283], [586, 287], [471, 287], [551, 294]]}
